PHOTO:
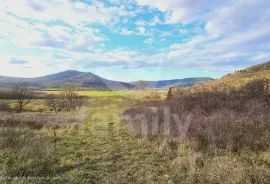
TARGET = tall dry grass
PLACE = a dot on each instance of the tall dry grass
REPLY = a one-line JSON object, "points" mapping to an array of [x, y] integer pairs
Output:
{"points": [[24, 153], [227, 137]]}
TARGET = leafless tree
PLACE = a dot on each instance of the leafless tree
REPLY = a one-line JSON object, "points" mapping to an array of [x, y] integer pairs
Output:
{"points": [[69, 99], [53, 103], [23, 95], [142, 84]]}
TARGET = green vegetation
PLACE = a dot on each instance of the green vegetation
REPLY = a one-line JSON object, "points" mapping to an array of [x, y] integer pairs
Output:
{"points": [[135, 94], [52, 89]]}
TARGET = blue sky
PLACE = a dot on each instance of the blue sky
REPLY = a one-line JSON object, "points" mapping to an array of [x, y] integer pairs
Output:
{"points": [[133, 39]]}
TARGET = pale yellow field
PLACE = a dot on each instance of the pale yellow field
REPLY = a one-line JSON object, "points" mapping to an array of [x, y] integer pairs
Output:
{"points": [[131, 93]]}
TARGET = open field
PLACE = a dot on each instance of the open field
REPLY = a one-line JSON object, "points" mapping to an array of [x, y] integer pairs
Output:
{"points": [[94, 145], [90, 151], [129, 93]]}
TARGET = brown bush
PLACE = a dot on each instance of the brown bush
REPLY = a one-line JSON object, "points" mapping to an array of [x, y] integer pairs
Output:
{"points": [[226, 118], [36, 120], [65, 103], [5, 107]]}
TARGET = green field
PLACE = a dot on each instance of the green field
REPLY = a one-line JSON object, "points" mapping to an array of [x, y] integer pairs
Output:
{"points": [[132, 93]]}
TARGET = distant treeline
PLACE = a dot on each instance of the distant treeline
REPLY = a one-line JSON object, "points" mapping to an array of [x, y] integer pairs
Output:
{"points": [[11, 95]]}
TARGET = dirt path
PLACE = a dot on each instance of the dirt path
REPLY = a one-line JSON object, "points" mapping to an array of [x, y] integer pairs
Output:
{"points": [[105, 152]]}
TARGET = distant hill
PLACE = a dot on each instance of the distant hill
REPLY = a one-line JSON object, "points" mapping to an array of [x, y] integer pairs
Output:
{"points": [[88, 80], [186, 82], [260, 71]]}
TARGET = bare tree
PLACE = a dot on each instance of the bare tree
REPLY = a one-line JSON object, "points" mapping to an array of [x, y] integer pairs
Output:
{"points": [[142, 84], [23, 95], [53, 104], [70, 100]]}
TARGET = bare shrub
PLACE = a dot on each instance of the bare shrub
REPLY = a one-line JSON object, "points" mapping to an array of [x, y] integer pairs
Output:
{"points": [[226, 118], [5, 107], [142, 84], [23, 95], [169, 94], [36, 120], [229, 130], [53, 103], [69, 99], [257, 89]]}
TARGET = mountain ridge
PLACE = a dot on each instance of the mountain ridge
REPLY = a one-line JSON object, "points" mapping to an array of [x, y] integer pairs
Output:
{"points": [[184, 82], [83, 79], [91, 80]]}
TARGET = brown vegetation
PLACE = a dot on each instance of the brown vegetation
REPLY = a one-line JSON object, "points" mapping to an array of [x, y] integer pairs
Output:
{"points": [[210, 136], [37, 120], [68, 100], [142, 84], [231, 119], [23, 95]]}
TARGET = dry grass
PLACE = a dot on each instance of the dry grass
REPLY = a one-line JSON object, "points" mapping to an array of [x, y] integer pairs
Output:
{"points": [[5, 107], [24, 153], [191, 167], [227, 139], [37, 120], [226, 142], [232, 119], [29, 144]]}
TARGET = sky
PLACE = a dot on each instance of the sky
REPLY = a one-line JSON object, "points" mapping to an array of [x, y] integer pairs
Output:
{"points": [[132, 40]]}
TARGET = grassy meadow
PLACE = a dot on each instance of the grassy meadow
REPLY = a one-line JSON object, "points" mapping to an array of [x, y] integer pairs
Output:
{"points": [[94, 145], [128, 93]]}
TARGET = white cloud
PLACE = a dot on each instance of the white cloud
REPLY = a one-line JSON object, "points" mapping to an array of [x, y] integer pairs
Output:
{"points": [[232, 34], [183, 31], [165, 34], [149, 41], [153, 22], [238, 17], [58, 37], [234, 37], [126, 32], [67, 11], [140, 23], [181, 10], [141, 30]]}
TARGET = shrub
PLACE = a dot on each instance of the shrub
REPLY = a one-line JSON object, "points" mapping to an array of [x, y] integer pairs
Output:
{"points": [[53, 104], [153, 96], [226, 118], [5, 107], [169, 94]]}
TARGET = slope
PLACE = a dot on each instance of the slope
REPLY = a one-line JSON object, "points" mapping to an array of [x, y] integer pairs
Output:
{"points": [[82, 79], [260, 71], [177, 82]]}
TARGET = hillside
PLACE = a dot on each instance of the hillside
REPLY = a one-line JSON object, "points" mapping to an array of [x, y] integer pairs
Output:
{"points": [[88, 80], [177, 82], [240, 77]]}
